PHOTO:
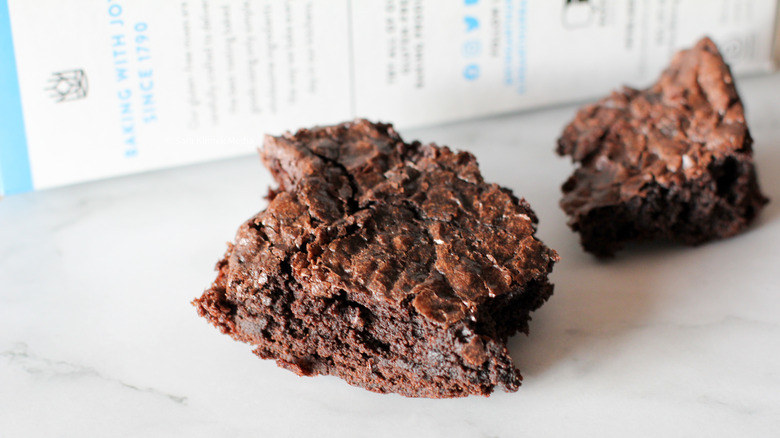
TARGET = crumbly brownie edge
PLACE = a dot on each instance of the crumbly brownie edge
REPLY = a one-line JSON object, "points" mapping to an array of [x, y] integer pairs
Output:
{"points": [[714, 207], [384, 349]]}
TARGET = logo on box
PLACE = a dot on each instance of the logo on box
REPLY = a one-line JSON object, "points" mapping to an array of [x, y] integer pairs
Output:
{"points": [[68, 85]]}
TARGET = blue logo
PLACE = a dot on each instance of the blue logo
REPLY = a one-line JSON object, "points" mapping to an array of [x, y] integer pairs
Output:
{"points": [[471, 72], [471, 47], [471, 23]]}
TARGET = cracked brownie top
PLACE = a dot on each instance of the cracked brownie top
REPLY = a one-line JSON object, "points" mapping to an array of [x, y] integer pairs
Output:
{"points": [[667, 134], [360, 211]]}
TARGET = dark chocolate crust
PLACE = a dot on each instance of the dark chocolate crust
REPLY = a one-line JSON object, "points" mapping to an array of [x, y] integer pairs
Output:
{"points": [[391, 265], [671, 162]]}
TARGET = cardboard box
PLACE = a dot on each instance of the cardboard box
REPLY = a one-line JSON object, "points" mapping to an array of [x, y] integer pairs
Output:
{"points": [[118, 86]]}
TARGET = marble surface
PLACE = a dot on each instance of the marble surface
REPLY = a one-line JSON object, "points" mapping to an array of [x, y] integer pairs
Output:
{"points": [[98, 339]]}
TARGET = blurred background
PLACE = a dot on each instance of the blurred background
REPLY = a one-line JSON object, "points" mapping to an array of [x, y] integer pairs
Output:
{"points": [[116, 87]]}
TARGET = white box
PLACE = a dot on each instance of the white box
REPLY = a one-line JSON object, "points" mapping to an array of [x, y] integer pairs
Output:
{"points": [[118, 86]]}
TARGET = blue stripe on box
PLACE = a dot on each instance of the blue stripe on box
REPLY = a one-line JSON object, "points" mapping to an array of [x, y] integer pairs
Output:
{"points": [[15, 176]]}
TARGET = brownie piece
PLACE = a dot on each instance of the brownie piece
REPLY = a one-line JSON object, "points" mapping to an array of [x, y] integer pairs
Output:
{"points": [[671, 162], [391, 265]]}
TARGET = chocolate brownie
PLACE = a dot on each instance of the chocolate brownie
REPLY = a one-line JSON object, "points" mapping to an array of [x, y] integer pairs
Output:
{"points": [[671, 162], [392, 265]]}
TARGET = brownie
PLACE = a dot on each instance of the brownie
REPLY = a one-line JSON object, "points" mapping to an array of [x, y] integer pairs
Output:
{"points": [[671, 162], [391, 265]]}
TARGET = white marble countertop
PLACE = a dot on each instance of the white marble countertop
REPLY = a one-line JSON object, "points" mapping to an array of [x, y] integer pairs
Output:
{"points": [[98, 339]]}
